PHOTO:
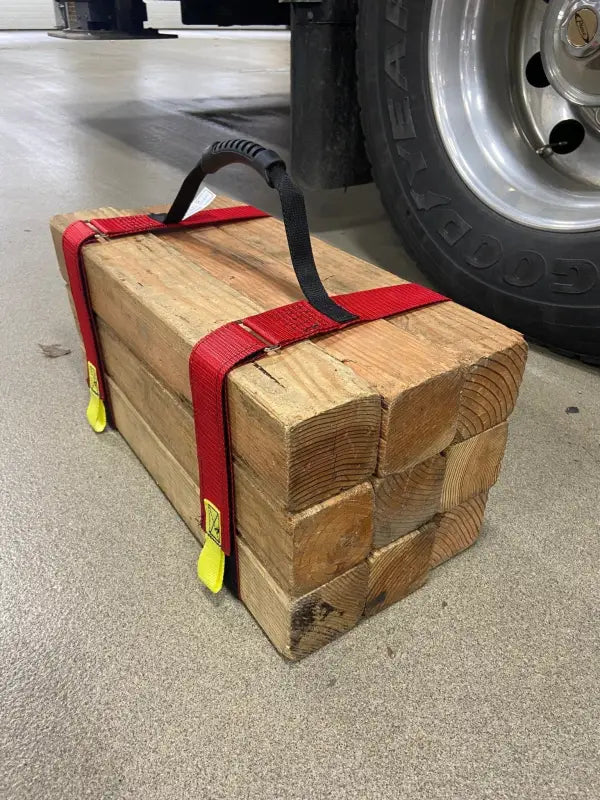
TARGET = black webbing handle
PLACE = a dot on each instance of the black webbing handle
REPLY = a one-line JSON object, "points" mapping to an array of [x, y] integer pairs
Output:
{"points": [[272, 168]]}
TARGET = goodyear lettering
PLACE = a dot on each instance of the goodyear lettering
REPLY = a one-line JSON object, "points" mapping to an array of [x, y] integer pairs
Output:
{"points": [[393, 58], [396, 13], [486, 253], [401, 118], [453, 227], [578, 276], [524, 269]]}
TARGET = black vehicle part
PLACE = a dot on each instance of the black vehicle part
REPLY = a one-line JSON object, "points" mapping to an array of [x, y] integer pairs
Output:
{"points": [[544, 283], [234, 12], [327, 140]]}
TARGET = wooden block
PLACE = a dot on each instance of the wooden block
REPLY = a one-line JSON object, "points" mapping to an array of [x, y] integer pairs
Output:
{"points": [[305, 550], [308, 407], [305, 423], [399, 569], [405, 501], [340, 271], [298, 627], [457, 529], [420, 390], [174, 481], [493, 355], [419, 385], [473, 466], [169, 415], [302, 550]]}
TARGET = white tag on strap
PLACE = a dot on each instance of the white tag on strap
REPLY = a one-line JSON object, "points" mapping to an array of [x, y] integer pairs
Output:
{"points": [[202, 200]]}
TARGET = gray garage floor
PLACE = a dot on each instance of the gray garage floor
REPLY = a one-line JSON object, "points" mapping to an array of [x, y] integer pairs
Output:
{"points": [[120, 678]]}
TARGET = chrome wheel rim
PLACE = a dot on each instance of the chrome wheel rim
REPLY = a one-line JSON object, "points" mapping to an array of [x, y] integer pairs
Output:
{"points": [[513, 92]]}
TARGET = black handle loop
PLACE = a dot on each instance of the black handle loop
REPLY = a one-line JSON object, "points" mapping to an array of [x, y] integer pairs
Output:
{"points": [[272, 168]]}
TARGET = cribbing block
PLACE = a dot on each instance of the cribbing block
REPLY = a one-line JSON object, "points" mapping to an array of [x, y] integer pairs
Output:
{"points": [[341, 445]]}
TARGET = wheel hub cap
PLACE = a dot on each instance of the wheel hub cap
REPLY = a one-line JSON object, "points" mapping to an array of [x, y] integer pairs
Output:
{"points": [[582, 28], [571, 50]]}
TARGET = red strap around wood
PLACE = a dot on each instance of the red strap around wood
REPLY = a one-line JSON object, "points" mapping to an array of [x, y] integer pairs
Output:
{"points": [[80, 233], [219, 352]]}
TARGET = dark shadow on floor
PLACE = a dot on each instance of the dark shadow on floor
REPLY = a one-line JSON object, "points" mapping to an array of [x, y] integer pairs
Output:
{"points": [[176, 131]]}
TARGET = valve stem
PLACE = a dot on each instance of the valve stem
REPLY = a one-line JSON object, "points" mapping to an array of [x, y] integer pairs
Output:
{"points": [[548, 149]]}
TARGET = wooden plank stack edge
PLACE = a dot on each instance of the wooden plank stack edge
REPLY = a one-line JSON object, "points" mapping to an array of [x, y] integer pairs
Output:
{"points": [[362, 460]]}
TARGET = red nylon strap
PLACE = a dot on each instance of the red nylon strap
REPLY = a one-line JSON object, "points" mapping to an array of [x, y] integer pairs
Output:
{"points": [[76, 235], [140, 223], [299, 321], [80, 233], [217, 354]]}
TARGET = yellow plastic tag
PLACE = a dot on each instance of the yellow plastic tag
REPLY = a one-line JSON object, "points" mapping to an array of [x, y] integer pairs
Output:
{"points": [[211, 566], [96, 410], [213, 521]]}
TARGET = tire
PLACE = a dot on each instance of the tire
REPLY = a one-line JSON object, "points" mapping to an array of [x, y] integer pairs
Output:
{"points": [[545, 283]]}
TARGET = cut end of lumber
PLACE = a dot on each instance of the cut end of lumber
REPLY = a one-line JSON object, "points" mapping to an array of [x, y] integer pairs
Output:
{"points": [[457, 529], [473, 466], [299, 626], [399, 569], [405, 501]]}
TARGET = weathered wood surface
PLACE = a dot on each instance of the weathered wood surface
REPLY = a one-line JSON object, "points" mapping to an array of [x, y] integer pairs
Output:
{"points": [[404, 501], [493, 356], [443, 373], [299, 626], [297, 407], [473, 466], [168, 473], [302, 550], [457, 529], [306, 549], [399, 569], [296, 626], [412, 376]]}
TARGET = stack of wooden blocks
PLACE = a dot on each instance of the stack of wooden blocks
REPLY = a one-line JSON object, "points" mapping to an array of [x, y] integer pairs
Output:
{"points": [[362, 459]]}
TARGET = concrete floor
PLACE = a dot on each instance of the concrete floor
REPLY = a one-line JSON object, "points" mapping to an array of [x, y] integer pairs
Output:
{"points": [[120, 677]]}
